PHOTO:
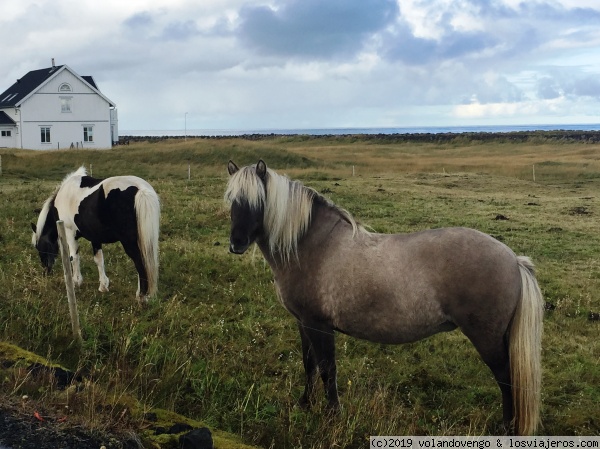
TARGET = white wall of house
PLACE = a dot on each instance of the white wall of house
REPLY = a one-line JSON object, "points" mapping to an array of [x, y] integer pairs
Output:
{"points": [[45, 109], [8, 138], [114, 125], [11, 141]]}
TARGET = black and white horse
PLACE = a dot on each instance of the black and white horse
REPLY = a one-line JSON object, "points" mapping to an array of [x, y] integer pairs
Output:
{"points": [[122, 209]]}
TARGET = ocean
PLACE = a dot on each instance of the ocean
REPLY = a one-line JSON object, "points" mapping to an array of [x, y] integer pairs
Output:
{"points": [[340, 131]]}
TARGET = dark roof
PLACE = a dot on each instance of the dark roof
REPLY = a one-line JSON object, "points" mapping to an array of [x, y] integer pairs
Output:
{"points": [[5, 119], [90, 81], [31, 81]]}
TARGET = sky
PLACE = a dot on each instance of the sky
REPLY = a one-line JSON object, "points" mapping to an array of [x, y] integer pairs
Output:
{"points": [[281, 64]]}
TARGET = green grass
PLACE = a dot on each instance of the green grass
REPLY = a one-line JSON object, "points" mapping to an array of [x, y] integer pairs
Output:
{"points": [[218, 347]]}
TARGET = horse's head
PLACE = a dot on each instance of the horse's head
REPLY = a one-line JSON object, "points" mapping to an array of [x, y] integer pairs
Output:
{"points": [[246, 193], [47, 245]]}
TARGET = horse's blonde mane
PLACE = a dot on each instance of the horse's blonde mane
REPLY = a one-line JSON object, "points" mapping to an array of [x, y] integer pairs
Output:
{"points": [[81, 171], [287, 207]]}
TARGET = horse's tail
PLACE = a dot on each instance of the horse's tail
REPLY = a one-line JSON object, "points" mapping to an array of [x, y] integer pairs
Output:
{"points": [[525, 351], [147, 210]]}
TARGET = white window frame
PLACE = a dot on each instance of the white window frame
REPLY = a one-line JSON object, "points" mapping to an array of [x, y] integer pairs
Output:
{"points": [[6, 133], [65, 87], [45, 135], [88, 133]]}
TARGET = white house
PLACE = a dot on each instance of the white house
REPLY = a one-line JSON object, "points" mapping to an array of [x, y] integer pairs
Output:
{"points": [[55, 108]]}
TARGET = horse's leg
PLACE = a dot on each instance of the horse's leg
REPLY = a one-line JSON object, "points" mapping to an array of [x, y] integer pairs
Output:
{"points": [[99, 259], [501, 371], [322, 343], [74, 254], [310, 368], [494, 352], [133, 251]]}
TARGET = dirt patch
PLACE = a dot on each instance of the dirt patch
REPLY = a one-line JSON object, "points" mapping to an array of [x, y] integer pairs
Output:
{"points": [[20, 428], [579, 210]]}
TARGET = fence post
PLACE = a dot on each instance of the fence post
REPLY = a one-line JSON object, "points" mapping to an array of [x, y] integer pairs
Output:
{"points": [[189, 171], [0, 165], [66, 261], [533, 172]]}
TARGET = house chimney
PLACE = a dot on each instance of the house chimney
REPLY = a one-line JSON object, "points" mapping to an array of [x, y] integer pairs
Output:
{"points": [[53, 65]]}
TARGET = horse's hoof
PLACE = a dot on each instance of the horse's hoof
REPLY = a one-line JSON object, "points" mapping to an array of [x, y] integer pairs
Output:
{"points": [[334, 408], [304, 403], [103, 288]]}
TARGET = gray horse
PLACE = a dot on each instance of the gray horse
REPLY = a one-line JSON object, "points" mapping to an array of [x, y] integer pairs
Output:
{"points": [[333, 275]]}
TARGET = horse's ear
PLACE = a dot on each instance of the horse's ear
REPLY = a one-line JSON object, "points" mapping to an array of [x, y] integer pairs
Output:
{"points": [[261, 169], [232, 168], [34, 227]]}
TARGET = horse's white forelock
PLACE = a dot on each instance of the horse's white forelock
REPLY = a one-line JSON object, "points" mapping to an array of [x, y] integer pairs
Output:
{"points": [[287, 206], [81, 171], [245, 184]]}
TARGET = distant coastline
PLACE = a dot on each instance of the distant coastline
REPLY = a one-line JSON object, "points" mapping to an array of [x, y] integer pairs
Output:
{"points": [[163, 133], [516, 133]]}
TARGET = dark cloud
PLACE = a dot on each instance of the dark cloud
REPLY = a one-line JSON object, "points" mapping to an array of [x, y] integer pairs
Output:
{"points": [[314, 28], [402, 45]]}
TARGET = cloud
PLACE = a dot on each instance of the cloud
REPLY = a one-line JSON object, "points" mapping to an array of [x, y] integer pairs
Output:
{"points": [[548, 89], [139, 20], [480, 31], [402, 45], [588, 86], [571, 84], [477, 110], [313, 29], [290, 63], [180, 30]]}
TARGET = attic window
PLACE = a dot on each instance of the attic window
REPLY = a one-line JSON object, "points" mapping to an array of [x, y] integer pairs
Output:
{"points": [[65, 87]]}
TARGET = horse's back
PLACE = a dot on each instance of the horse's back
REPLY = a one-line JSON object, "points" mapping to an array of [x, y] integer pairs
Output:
{"points": [[101, 210], [125, 182], [460, 269]]}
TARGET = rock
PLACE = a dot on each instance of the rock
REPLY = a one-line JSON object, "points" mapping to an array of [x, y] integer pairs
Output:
{"points": [[196, 439]]}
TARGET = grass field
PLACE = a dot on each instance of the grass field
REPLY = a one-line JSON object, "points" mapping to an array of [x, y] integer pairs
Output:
{"points": [[218, 347]]}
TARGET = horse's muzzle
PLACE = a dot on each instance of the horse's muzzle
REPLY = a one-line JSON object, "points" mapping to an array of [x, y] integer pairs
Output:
{"points": [[239, 245], [237, 249]]}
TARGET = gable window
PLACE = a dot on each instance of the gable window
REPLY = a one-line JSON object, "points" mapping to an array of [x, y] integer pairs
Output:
{"points": [[45, 134], [88, 134], [65, 104], [65, 87], [6, 134]]}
